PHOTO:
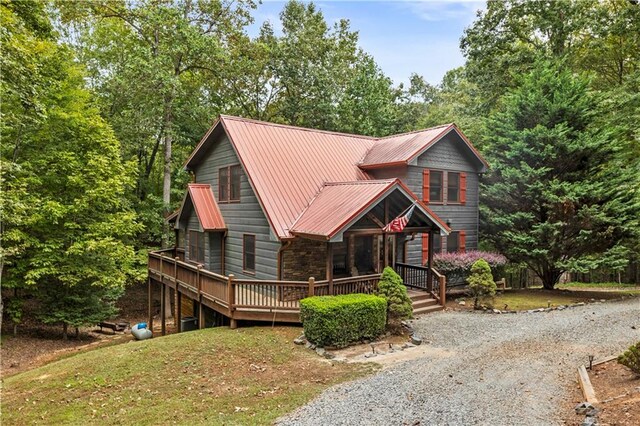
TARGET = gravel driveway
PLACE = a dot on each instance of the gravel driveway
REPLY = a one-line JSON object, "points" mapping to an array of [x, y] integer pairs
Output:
{"points": [[511, 369]]}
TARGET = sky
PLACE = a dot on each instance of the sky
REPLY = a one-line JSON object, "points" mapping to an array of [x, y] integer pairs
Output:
{"points": [[404, 37]]}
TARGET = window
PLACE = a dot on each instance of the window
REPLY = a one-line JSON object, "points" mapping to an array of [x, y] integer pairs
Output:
{"points": [[229, 183], [249, 253], [196, 246], [223, 184], [453, 187], [435, 186], [452, 242], [437, 243], [234, 191]]}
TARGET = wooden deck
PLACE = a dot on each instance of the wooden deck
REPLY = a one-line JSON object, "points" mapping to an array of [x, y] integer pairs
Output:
{"points": [[260, 300]]}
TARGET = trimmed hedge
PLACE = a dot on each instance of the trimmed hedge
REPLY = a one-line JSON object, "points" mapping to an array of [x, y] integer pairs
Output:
{"points": [[340, 320]]}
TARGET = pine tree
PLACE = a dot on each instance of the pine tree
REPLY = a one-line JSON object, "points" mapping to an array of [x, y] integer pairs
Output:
{"points": [[399, 305], [557, 197]]}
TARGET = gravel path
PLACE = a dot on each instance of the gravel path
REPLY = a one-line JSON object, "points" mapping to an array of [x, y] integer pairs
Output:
{"points": [[511, 369]]}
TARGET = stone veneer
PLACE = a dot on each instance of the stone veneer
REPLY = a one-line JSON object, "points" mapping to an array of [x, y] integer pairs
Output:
{"points": [[304, 258]]}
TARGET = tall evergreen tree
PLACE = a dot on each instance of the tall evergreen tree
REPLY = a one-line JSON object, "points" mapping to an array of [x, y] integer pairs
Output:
{"points": [[558, 197]]}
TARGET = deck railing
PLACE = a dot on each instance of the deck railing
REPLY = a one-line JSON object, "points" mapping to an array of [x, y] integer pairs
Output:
{"points": [[231, 294]]}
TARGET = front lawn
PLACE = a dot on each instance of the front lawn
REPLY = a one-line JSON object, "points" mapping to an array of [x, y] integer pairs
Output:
{"points": [[521, 300], [213, 376]]}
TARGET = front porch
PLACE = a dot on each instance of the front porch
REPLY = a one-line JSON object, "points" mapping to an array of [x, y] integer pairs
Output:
{"points": [[267, 300]]}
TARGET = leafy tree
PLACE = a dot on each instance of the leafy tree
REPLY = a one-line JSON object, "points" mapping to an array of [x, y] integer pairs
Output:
{"points": [[66, 222], [558, 193], [631, 358], [481, 282], [399, 305]]}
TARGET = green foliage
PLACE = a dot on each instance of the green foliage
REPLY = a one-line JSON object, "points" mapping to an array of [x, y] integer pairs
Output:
{"points": [[399, 306], [481, 281], [14, 310], [631, 358], [539, 208], [67, 224], [340, 320]]}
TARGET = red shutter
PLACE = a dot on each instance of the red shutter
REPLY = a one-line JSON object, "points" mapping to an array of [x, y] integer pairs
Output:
{"points": [[425, 248], [462, 242], [463, 188], [425, 185]]}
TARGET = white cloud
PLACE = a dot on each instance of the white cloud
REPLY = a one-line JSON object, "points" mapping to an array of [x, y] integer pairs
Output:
{"points": [[441, 10]]}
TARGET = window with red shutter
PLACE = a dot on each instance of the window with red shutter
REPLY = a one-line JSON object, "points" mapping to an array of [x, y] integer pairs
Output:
{"points": [[425, 248], [463, 188], [425, 185], [462, 244]]}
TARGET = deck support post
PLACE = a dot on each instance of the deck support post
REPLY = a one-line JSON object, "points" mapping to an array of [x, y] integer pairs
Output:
{"points": [[178, 316], [231, 296], [330, 267], [430, 261], [175, 291], [163, 316], [150, 320], [200, 305]]}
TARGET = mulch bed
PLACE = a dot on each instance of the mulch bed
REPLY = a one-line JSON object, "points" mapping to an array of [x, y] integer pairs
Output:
{"points": [[618, 390]]}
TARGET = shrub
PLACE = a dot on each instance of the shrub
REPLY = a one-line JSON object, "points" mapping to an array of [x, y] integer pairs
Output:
{"points": [[631, 358], [481, 281], [340, 320], [457, 266], [399, 304]]}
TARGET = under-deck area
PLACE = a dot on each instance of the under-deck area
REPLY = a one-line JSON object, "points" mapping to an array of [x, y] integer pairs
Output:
{"points": [[263, 300]]}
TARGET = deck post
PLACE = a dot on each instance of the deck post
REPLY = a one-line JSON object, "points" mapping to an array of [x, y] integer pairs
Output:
{"points": [[178, 316], [330, 267], [443, 290], [312, 283], [200, 306], [175, 281], [231, 296], [150, 320], [430, 261], [163, 316]]}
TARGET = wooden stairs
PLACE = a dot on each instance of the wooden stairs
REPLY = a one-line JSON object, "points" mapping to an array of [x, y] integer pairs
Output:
{"points": [[423, 302]]}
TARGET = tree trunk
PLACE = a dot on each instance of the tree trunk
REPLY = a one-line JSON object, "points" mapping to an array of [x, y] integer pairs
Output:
{"points": [[77, 333], [166, 191], [15, 330], [65, 331], [550, 277]]}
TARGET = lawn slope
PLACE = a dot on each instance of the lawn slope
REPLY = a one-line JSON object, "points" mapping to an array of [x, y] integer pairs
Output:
{"points": [[213, 376]]}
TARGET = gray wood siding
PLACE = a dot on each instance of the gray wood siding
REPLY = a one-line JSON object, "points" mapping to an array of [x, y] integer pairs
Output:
{"points": [[245, 217], [446, 155]]}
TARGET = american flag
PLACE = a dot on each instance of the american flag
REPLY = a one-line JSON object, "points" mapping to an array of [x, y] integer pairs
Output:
{"points": [[398, 224]]}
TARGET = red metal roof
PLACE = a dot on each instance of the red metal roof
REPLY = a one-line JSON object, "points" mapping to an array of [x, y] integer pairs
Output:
{"points": [[205, 206], [288, 166], [338, 204], [400, 149]]}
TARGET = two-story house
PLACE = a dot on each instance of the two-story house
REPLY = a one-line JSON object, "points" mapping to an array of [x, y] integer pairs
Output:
{"points": [[277, 212]]}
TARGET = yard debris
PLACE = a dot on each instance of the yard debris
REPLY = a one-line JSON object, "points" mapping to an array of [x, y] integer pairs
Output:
{"points": [[416, 340], [300, 340]]}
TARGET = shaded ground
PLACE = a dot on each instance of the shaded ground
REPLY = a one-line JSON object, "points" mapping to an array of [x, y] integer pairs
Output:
{"points": [[211, 376], [484, 369], [38, 344]]}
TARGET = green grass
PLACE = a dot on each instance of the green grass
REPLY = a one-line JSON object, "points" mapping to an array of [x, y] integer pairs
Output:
{"points": [[520, 300], [599, 285], [213, 376]]}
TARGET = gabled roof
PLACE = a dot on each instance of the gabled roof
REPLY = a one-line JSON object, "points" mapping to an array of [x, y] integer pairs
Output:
{"points": [[402, 149], [287, 166], [205, 206], [339, 204]]}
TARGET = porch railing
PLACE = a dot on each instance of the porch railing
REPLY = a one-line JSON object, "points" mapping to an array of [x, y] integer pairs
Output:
{"points": [[230, 294], [420, 277]]}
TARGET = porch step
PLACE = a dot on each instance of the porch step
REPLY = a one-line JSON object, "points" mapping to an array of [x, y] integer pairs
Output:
{"points": [[427, 310], [423, 302]]}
